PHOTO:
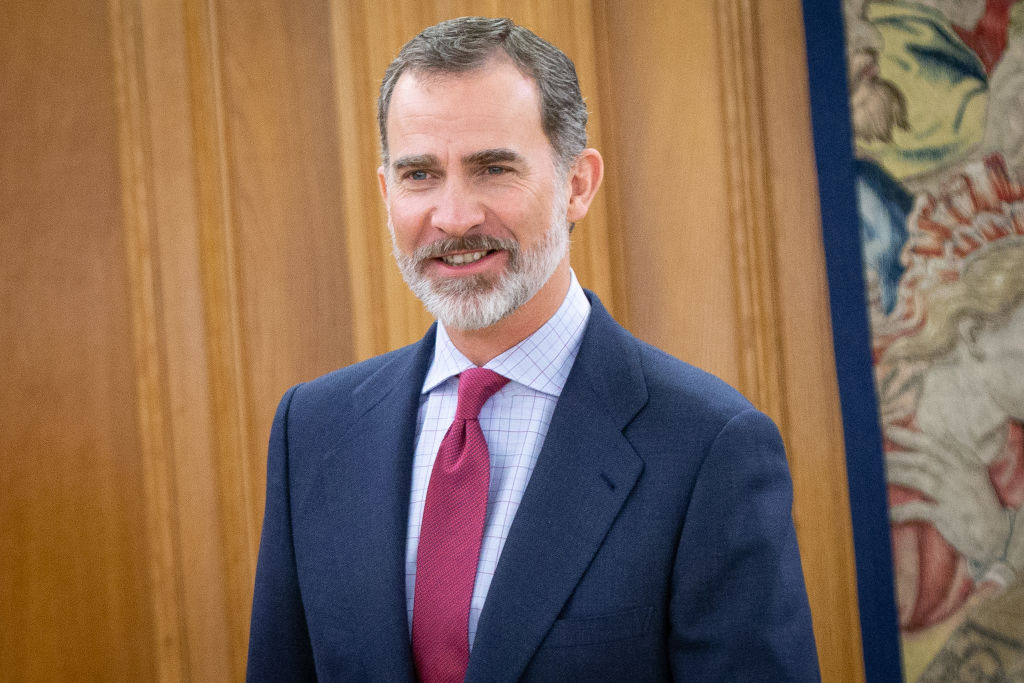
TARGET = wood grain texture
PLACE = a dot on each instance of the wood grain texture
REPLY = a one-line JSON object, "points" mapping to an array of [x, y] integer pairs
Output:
{"points": [[234, 438], [165, 260], [276, 271], [814, 431], [73, 564], [168, 634], [751, 223], [669, 172]]}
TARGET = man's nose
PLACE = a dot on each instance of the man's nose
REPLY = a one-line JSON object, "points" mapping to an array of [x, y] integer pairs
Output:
{"points": [[458, 209]]}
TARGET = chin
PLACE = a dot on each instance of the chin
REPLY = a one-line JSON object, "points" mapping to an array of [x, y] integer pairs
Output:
{"points": [[470, 303]]}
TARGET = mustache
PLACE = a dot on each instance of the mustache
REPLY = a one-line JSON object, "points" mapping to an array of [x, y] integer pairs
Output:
{"points": [[449, 245]]}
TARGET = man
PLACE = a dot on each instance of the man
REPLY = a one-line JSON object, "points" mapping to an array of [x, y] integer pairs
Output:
{"points": [[609, 513]]}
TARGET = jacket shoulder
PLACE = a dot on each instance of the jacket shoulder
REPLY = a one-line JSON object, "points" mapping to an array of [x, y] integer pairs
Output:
{"points": [[330, 402], [669, 378], [350, 377]]}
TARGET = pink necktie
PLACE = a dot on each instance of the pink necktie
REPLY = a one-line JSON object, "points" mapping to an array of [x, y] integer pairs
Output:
{"points": [[453, 525]]}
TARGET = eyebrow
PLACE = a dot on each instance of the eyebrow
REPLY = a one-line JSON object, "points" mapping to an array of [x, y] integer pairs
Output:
{"points": [[484, 157], [416, 161], [492, 156]]}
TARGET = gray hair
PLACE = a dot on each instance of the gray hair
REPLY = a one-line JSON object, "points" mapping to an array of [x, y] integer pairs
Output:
{"points": [[461, 45]]}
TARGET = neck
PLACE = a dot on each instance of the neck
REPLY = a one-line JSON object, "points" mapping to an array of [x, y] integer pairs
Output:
{"points": [[480, 346]]}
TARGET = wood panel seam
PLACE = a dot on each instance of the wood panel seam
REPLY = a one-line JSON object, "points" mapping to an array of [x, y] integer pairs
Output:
{"points": [[750, 209], [222, 312], [153, 404]]}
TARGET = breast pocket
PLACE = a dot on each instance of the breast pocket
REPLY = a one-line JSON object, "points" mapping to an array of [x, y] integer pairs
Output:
{"points": [[603, 628]]}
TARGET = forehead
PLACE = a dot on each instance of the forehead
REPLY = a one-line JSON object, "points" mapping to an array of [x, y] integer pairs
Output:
{"points": [[495, 105]]}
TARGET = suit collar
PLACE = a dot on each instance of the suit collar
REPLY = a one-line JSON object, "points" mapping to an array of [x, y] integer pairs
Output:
{"points": [[400, 376], [372, 460], [585, 472]]}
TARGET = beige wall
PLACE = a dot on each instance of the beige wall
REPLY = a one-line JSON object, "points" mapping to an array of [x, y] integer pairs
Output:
{"points": [[191, 225]]}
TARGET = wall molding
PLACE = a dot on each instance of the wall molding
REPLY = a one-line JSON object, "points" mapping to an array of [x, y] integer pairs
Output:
{"points": [[751, 222], [167, 595], [230, 396], [192, 398]]}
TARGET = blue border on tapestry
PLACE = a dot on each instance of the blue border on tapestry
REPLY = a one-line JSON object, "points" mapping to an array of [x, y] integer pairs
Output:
{"points": [[851, 336]]}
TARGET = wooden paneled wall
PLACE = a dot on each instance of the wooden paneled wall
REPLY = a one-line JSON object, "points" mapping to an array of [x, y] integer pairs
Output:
{"points": [[192, 224]]}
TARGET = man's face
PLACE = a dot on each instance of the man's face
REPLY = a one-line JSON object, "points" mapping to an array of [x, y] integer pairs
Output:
{"points": [[476, 208]]}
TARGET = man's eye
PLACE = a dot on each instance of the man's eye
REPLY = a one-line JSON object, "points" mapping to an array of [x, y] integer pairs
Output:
{"points": [[496, 170], [417, 175]]}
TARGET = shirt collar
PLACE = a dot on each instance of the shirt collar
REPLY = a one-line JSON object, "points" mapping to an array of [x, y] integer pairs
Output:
{"points": [[542, 361]]}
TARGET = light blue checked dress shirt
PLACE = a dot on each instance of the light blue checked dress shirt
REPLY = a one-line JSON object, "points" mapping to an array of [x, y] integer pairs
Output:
{"points": [[514, 422]]}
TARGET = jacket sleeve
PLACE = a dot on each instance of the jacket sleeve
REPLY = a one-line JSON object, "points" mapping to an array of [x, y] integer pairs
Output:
{"points": [[279, 644], [739, 609]]}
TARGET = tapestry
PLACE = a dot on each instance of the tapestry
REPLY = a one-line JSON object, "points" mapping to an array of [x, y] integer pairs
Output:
{"points": [[936, 107]]}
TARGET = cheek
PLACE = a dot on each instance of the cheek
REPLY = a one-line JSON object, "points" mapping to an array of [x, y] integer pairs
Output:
{"points": [[407, 221], [526, 216]]}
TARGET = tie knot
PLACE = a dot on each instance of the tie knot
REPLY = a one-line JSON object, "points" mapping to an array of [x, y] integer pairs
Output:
{"points": [[476, 385]]}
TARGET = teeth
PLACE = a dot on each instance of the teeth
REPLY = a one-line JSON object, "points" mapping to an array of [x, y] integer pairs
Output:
{"points": [[463, 259]]}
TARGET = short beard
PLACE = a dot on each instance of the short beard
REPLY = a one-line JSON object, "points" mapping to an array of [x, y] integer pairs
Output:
{"points": [[476, 302]]}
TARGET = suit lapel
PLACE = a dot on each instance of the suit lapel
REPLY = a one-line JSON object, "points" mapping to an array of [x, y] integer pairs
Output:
{"points": [[364, 480], [585, 472]]}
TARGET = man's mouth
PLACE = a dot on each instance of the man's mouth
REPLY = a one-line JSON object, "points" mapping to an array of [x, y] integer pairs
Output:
{"points": [[469, 252], [463, 258]]}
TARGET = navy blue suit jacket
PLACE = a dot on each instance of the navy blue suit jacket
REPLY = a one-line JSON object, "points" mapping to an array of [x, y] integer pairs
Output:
{"points": [[654, 541]]}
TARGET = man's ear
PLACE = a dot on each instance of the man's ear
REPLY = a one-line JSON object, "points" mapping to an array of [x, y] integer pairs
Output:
{"points": [[584, 179], [382, 181]]}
